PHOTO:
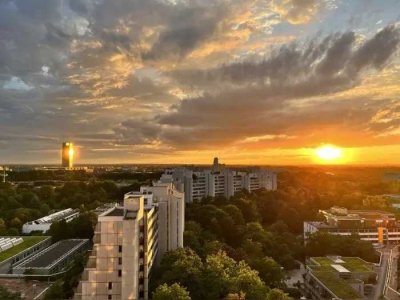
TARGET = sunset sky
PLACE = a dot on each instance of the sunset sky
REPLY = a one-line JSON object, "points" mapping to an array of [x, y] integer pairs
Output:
{"points": [[175, 81]]}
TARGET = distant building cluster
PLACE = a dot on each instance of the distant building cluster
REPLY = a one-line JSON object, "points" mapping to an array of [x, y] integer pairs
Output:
{"points": [[370, 225], [43, 224], [129, 240], [218, 181]]}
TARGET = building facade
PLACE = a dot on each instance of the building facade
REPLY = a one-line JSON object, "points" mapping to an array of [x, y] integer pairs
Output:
{"points": [[370, 225], [218, 181], [171, 215], [67, 155], [128, 241]]}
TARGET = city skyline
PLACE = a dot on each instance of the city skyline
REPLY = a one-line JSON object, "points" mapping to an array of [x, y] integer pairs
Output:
{"points": [[253, 82]]}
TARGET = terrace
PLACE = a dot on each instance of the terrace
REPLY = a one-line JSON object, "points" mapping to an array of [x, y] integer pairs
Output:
{"points": [[336, 285], [353, 264], [28, 241]]}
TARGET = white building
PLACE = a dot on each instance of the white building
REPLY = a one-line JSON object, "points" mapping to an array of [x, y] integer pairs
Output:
{"points": [[171, 215], [218, 181], [369, 225], [43, 224], [128, 240]]}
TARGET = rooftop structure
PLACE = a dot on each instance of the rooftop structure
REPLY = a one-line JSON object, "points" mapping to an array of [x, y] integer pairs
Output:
{"points": [[21, 248], [334, 277], [54, 258], [218, 180], [43, 224], [370, 225]]}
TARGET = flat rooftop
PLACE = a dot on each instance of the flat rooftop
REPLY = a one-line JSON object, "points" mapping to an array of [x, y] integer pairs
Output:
{"points": [[115, 212], [353, 264], [342, 213], [327, 270], [50, 255], [28, 242], [337, 285]]}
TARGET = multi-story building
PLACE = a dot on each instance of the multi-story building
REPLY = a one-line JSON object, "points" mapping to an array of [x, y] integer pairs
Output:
{"points": [[67, 155], [128, 240], [171, 215], [218, 181], [370, 225], [336, 277], [43, 224]]}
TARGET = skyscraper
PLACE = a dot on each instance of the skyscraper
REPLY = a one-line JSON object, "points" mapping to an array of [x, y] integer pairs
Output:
{"points": [[67, 155]]}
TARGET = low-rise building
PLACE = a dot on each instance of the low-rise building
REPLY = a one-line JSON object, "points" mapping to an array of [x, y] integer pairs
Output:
{"points": [[20, 248], [335, 277], [53, 259], [370, 225], [43, 224]]}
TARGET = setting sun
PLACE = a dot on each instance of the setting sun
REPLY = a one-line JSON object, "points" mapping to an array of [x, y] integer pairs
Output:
{"points": [[329, 153]]}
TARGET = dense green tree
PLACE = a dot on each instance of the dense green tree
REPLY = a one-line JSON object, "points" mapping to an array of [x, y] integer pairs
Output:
{"points": [[276, 294], [172, 292], [321, 244], [55, 292]]}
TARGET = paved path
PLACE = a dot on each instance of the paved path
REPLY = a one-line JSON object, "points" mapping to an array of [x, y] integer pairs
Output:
{"points": [[391, 281], [382, 270]]}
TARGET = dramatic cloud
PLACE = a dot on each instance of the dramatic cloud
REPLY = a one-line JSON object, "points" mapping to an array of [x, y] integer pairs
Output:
{"points": [[129, 79], [299, 11]]}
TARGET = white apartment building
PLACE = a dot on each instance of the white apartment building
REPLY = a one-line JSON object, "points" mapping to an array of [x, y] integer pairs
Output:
{"points": [[171, 215], [43, 224], [129, 239], [218, 181]]}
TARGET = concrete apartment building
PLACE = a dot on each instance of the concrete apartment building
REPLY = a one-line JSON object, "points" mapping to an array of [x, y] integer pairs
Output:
{"points": [[218, 181], [370, 225], [171, 215], [128, 241]]}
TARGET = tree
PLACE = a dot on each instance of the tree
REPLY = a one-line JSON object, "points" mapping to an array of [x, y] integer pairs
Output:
{"points": [[7, 295], [55, 291], [276, 294], [181, 266], [172, 292], [269, 270]]}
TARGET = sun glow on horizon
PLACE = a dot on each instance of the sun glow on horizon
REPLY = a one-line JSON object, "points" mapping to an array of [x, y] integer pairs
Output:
{"points": [[329, 154]]}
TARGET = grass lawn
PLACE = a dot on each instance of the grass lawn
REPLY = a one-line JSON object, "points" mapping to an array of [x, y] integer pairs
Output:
{"points": [[353, 264], [337, 285], [28, 242]]}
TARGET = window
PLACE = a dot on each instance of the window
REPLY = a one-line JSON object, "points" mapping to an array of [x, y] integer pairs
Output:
{"points": [[110, 285], [120, 260], [119, 273], [120, 248], [109, 297]]}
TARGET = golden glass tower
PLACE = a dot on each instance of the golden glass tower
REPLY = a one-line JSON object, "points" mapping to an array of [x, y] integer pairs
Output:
{"points": [[67, 156]]}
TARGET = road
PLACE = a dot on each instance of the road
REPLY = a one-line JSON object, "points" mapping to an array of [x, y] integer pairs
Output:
{"points": [[391, 280], [382, 270]]}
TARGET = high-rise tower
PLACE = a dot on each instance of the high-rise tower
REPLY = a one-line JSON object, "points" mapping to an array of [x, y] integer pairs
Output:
{"points": [[67, 155]]}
